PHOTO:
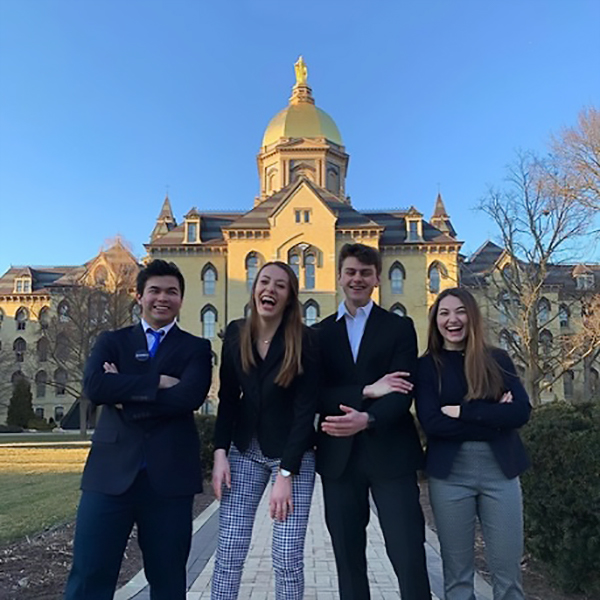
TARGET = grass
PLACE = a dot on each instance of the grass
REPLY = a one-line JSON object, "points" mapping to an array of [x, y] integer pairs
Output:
{"points": [[12, 438], [39, 488]]}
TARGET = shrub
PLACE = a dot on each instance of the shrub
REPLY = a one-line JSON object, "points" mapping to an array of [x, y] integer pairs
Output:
{"points": [[206, 428], [10, 429], [562, 493], [40, 424], [20, 410]]}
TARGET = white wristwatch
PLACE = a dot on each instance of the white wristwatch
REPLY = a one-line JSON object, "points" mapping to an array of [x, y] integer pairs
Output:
{"points": [[285, 473]]}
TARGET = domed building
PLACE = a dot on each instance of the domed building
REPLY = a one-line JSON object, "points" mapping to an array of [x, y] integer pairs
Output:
{"points": [[303, 216]]}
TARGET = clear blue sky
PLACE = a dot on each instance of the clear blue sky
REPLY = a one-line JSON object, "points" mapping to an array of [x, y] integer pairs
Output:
{"points": [[105, 103]]}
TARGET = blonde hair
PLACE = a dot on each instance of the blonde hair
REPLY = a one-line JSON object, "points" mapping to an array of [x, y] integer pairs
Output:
{"points": [[292, 323], [483, 374]]}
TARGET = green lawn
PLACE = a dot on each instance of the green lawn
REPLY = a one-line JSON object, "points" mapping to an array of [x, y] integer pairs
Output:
{"points": [[39, 488], [11, 438]]}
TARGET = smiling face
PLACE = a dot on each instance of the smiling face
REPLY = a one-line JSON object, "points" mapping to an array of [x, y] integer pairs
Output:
{"points": [[271, 292], [358, 281], [452, 322], [160, 301]]}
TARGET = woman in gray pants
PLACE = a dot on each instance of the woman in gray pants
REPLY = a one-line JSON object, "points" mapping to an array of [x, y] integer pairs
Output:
{"points": [[470, 403]]}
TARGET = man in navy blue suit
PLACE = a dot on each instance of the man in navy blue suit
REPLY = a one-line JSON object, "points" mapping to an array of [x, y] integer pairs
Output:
{"points": [[144, 464]]}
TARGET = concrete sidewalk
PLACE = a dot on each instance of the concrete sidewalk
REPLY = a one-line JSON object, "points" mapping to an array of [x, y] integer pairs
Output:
{"points": [[320, 572]]}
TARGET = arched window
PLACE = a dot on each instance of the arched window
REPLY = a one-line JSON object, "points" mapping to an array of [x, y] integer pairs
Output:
{"points": [[595, 383], [40, 384], [39, 412], [435, 277], [60, 381], [59, 413], [397, 278], [63, 311], [208, 316], [504, 307], [564, 316], [136, 313], [100, 275], [1, 317], [252, 266], [568, 377], [19, 347], [543, 311], [22, 317], [545, 341], [294, 262], [44, 317], [398, 309], [209, 280], [310, 262], [16, 377], [215, 358], [43, 346], [311, 312], [62, 347]]}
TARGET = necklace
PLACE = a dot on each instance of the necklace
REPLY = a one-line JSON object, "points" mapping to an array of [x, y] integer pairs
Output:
{"points": [[267, 341]]}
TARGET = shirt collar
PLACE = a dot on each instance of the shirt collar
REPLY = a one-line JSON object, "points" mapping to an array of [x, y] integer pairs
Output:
{"points": [[343, 310], [166, 328]]}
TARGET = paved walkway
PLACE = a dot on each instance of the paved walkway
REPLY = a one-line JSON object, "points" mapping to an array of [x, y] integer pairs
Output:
{"points": [[321, 582]]}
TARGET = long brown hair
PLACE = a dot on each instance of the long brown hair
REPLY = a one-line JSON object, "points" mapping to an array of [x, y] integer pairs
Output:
{"points": [[292, 323], [483, 374]]}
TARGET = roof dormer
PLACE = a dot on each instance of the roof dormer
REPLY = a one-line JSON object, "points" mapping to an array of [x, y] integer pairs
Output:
{"points": [[192, 227], [414, 225]]}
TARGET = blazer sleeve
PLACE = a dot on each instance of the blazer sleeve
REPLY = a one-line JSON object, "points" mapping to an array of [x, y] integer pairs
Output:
{"points": [[229, 391], [115, 388], [187, 395], [390, 408], [507, 415], [305, 407], [429, 410]]}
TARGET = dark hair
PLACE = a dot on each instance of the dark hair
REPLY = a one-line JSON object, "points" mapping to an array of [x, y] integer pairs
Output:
{"points": [[159, 268], [292, 322], [367, 255], [483, 374]]}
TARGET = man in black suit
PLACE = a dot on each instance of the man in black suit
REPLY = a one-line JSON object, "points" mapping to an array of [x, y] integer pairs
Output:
{"points": [[144, 464], [367, 436]]}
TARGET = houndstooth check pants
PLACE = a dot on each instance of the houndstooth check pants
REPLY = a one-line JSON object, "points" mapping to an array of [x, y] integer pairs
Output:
{"points": [[250, 474]]}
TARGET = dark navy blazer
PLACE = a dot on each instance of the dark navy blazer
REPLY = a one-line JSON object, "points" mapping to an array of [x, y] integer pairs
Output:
{"points": [[389, 344], [480, 419], [253, 405], [155, 426]]}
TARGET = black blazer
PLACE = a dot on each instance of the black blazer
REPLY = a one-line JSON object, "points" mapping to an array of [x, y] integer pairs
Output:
{"points": [[389, 343], [155, 426], [480, 419], [253, 405]]}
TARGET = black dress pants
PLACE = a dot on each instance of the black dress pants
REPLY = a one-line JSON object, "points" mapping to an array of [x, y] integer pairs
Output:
{"points": [[347, 514]]}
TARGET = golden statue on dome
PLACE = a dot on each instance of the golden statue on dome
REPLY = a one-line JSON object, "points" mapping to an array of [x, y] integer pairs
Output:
{"points": [[301, 71]]}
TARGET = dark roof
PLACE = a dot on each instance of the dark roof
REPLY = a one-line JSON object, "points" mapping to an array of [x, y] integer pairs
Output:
{"points": [[211, 230], [42, 278]]}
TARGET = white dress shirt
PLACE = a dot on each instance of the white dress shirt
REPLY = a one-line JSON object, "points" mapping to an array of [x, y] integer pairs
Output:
{"points": [[150, 338], [355, 324]]}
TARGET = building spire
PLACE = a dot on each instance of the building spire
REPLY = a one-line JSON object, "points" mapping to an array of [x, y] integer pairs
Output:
{"points": [[165, 220], [440, 218], [301, 92]]}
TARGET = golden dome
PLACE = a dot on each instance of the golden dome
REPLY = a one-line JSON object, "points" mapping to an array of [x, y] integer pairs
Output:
{"points": [[301, 118]]}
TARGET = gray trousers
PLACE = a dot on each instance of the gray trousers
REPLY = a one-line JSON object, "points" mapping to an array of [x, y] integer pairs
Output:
{"points": [[477, 488]]}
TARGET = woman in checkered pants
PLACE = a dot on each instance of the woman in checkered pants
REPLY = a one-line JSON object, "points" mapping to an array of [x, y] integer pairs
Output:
{"points": [[265, 432]]}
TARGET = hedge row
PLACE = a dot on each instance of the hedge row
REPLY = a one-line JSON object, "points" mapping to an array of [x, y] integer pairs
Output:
{"points": [[561, 493]]}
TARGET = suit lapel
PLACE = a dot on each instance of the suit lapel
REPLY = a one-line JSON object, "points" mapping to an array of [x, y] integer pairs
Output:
{"points": [[341, 333], [369, 339]]}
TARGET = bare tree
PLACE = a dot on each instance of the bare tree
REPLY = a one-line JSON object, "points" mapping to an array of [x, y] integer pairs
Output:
{"points": [[83, 311], [576, 151], [541, 225]]}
